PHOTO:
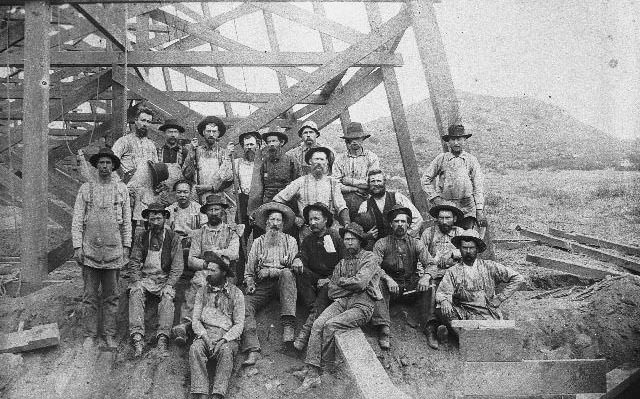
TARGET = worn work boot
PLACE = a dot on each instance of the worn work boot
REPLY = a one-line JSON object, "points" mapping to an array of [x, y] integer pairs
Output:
{"points": [[180, 334], [138, 345], [110, 341], [288, 333], [432, 339], [162, 343], [383, 337], [253, 357], [301, 341]]}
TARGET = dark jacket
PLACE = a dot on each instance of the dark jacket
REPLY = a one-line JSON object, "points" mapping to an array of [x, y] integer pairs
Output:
{"points": [[314, 256], [171, 258]]}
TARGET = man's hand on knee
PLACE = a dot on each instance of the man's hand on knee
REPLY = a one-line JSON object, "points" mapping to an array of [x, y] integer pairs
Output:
{"points": [[394, 288]]}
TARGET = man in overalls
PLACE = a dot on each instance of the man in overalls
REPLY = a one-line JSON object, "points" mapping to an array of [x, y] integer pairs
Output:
{"points": [[156, 264], [101, 234], [456, 176], [215, 236]]}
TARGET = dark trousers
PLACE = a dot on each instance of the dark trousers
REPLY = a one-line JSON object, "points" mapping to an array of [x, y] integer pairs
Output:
{"points": [[314, 299], [420, 299], [93, 279], [199, 355]]}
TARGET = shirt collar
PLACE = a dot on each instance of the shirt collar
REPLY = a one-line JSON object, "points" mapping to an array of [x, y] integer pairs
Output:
{"points": [[225, 288]]}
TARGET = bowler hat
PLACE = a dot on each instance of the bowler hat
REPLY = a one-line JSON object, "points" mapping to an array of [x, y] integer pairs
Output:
{"points": [[469, 235], [446, 206], [105, 152], [244, 135], [355, 229], [171, 123], [355, 131], [318, 206], [222, 261], [222, 129], [311, 125], [396, 209], [159, 172], [275, 131], [309, 154], [262, 213], [214, 199], [455, 131], [155, 207]]}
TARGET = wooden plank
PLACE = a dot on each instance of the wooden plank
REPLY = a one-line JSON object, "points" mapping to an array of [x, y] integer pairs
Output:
{"points": [[544, 238], [491, 344], [476, 324], [26, 340], [107, 21], [627, 263], [628, 388], [22, 2], [371, 379], [228, 109], [535, 377], [595, 241], [62, 151], [273, 44], [571, 267]]}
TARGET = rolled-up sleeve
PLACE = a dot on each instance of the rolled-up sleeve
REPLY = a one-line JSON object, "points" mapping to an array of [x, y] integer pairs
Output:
{"points": [[290, 191], [195, 262], [504, 274]]}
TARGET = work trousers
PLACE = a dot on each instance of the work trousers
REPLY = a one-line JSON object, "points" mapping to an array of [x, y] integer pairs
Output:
{"points": [[93, 279], [137, 297], [343, 314], [283, 287], [381, 315], [313, 298], [199, 355], [432, 318]]}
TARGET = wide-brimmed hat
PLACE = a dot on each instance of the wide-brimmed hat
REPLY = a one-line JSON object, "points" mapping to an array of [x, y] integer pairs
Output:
{"points": [[355, 229], [455, 131], [446, 206], [159, 172], [222, 261], [222, 128], [396, 209], [214, 199], [244, 135], [275, 131], [309, 154], [311, 125], [318, 206], [171, 123], [155, 207], [355, 131], [105, 152], [262, 213], [470, 235]]}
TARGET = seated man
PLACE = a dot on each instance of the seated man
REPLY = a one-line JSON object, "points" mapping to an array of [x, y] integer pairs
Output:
{"points": [[268, 274], [442, 255], [215, 236], [468, 288], [319, 254], [218, 321], [156, 263], [354, 287], [402, 259]]}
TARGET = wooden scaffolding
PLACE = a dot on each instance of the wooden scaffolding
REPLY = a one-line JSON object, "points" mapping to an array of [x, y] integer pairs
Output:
{"points": [[81, 62]]}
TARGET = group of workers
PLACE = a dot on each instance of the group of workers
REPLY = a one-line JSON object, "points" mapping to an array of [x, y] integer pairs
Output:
{"points": [[311, 228]]}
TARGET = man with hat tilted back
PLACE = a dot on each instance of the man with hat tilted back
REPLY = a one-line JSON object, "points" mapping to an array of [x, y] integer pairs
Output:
{"points": [[468, 288], [268, 274], [308, 134], [101, 235], [215, 236], [442, 255], [456, 176], [156, 264], [352, 168], [403, 259]]}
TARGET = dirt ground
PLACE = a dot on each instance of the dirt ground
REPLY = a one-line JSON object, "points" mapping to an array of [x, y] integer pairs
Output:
{"points": [[561, 316]]}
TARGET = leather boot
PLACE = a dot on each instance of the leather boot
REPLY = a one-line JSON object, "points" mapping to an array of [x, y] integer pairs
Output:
{"points": [[383, 337], [253, 357], [180, 334], [288, 333], [162, 343], [138, 345], [432, 339], [301, 340]]}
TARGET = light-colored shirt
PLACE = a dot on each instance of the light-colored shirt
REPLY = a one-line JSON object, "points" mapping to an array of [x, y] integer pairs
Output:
{"points": [[219, 307], [454, 178], [208, 166], [401, 199], [244, 174], [355, 274], [263, 254], [355, 166], [221, 239], [298, 153], [308, 190], [186, 219], [133, 150]]}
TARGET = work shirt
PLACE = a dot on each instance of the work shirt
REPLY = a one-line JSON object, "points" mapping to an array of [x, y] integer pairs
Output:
{"points": [[356, 274], [381, 204], [473, 287], [208, 166], [402, 257], [176, 154], [219, 307], [307, 190], [276, 174], [355, 166], [263, 254], [244, 174], [299, 152], [455, 178], [186, 220], [320, 253], [439, 246], [133, 151], [221, 239]]}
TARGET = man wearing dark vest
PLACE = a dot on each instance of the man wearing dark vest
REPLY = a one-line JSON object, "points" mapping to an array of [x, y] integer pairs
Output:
{"points": [[372, 212]]}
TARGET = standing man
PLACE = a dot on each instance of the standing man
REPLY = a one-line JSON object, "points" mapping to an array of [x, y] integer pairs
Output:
{"points": [[442, 255], [308, 134], [215, 236], [354, 288], [156, 264], [314, 187], [403, 258], [246, 171], [218, 321], [101, 235], [268, 274], [352, 168], [172, 152], [468, 288], [319, 254], [456, 176]]}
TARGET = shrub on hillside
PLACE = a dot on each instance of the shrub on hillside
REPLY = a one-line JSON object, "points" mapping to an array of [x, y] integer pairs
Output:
{"points": [[608, 190]]}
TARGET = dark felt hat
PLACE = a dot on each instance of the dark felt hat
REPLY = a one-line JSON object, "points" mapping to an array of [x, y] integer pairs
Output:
{"points": [[262, 213], [105, 152], [355, 131], [311, 125], [446, 206], [171, 123], [309, 154], [214, 199], [222, 261], [355, 229], [318, 206], [155, 207], [470, 235], [396, 209], [222, 128], [455, 131], [249, 134], [159, 172], [275, 131]]}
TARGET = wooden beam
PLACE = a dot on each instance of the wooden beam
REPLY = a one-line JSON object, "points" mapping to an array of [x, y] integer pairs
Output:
{"points": [[22, 2], [571, 267], [34, 163], [26, 340], [627, 263], [595, 241], [103, 19], [544, 238], [628, 386], [11, 35], [62, 151], [275, 46], [228, 109]]}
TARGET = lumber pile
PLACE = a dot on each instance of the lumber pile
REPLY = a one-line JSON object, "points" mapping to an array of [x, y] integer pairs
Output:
{"points": [[25, 340]]}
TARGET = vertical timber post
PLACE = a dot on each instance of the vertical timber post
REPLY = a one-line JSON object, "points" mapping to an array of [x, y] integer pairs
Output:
{"points": [[35, 130], [435, 64], [119, 122]]}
